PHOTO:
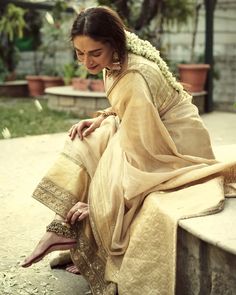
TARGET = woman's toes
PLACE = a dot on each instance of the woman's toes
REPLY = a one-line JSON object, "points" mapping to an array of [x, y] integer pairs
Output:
{"points": [[72, 269]]}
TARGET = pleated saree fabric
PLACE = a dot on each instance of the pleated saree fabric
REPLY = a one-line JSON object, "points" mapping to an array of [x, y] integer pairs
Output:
{"points": [[140, 172]]}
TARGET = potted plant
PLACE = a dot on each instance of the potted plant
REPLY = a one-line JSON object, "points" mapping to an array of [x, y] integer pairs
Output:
{"points": [[53, 32], [68, 73], [193, 75], [96, 83], [81, 80]]}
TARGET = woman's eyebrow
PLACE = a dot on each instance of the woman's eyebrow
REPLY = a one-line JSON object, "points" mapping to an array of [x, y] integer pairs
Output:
{"points": [[90, 51]]}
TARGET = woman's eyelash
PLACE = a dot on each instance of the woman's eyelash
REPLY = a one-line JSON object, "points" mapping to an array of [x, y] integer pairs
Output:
{"points": [[96, 54]]}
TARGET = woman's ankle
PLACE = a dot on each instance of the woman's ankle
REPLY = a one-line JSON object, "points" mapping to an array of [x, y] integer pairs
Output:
{"points": [[62, 228]]}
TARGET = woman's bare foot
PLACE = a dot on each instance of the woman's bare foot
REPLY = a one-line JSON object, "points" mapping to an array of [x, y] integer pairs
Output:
{"points": [[72, 269], [49, 242], [62, 260]]}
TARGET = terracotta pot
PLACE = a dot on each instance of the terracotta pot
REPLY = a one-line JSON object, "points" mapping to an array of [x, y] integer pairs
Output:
{"points": [[35, 85], [194, 75], [51, 81], [80, 84], [97, 85]]}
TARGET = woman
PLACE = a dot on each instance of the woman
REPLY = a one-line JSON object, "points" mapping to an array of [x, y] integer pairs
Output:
{"points": [[126, 177]]}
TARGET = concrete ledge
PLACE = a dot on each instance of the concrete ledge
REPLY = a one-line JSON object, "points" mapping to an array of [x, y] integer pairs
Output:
{"points": [[203, 269], [206, 260], [217, 229]]}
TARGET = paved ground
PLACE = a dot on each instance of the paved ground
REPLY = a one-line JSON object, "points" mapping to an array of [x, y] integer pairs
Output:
{"points": [[23, 161]]}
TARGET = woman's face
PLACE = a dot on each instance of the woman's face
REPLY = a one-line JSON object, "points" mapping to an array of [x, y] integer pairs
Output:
{"points": [[94, 55]]}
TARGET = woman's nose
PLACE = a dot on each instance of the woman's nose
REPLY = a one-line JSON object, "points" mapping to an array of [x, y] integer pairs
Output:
{"points": [[88, 61]]}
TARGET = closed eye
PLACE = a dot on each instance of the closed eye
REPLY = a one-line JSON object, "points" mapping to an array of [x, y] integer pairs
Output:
{"points": [[96, 54]]}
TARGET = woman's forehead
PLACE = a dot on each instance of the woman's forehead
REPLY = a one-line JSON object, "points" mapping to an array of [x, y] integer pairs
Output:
{"points": [[86, 44]]}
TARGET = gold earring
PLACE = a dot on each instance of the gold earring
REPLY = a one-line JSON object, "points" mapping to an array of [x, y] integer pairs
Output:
{"points": [[116, 65]]}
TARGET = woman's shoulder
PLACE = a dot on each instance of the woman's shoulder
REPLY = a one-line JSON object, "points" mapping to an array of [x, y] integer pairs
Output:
{"points": [[148, 69], [140, 63]]}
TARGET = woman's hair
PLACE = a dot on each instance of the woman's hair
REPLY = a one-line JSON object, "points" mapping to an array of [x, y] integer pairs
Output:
{"points": [[101, 24]]}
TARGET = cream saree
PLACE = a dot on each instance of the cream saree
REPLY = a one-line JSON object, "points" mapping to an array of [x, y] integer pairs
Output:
{"points": [[140, 172]]}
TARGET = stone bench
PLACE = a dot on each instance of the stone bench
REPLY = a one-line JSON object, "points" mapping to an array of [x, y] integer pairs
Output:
{"points": [[82, 103], [206, 262]]}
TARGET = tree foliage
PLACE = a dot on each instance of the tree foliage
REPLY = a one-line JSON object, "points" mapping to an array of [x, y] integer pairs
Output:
{"points": [[12, 26], [12, 22], [148, 17]]}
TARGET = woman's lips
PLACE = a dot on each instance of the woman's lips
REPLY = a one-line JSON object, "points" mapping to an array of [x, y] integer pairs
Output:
{"points": [[92, 68]]}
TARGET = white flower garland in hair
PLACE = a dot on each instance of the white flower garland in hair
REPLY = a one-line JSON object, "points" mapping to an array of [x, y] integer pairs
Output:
{"points": [[144, 48]]}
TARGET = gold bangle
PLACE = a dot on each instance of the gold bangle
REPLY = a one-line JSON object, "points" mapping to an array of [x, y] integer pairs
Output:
{"points": [[107, 114]]}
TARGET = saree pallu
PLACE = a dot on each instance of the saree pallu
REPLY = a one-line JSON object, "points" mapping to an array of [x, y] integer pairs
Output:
{"points": [[139, 175]]}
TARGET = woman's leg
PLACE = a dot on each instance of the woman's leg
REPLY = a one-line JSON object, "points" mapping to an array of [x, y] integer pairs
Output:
{"points": [[65, 185]]}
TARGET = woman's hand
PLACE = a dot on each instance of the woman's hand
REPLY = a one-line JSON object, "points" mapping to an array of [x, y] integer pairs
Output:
{"points": [[85, 127], [78, 212]]}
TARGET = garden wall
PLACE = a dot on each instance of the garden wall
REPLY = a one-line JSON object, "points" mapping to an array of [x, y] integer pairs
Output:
{"points": [[177, 44], [28, 58]]}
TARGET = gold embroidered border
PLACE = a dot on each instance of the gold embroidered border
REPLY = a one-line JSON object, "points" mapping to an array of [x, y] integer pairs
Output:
{"points": [[54, 196], [92, 266]]}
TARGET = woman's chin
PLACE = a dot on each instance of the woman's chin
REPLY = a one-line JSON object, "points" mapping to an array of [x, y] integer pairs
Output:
{"points": [[94, 71]]}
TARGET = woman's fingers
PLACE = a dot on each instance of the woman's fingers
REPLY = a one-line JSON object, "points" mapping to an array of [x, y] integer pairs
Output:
{"points": [[89, 130], [83, 214], [79, 214], [73, 132], [84, 128], [79, 129], [69, 215], [75, 216], [95, 124], [72, 211], [78, 211]]}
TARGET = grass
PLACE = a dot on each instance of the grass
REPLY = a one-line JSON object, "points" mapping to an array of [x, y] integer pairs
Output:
{"points": [[22, 117]]}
